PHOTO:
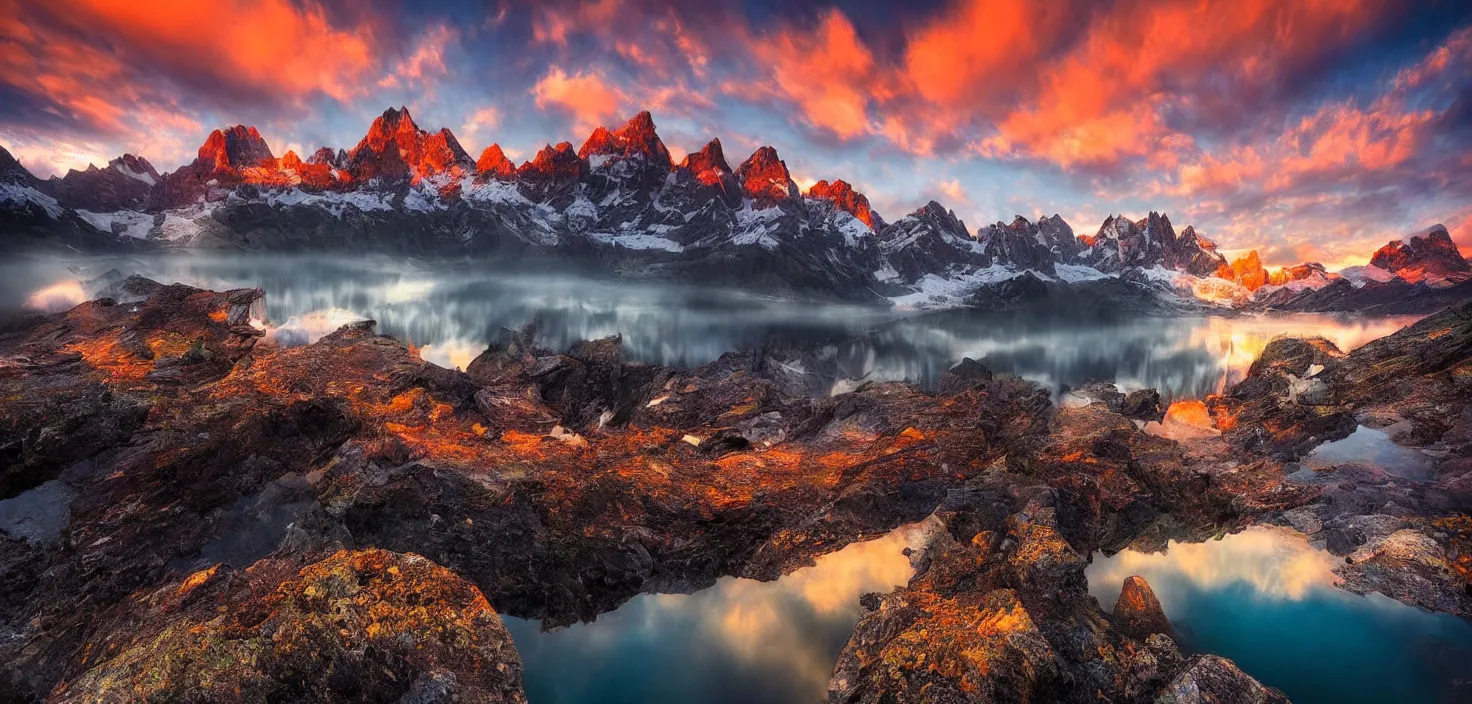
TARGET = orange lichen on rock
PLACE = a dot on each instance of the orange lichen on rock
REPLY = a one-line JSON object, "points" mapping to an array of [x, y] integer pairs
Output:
{"points": [[112, 359], [383, 620], [194, 581]]}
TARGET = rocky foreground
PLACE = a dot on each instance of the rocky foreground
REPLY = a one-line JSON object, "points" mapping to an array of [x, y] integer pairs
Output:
{"points": [[190, 513]]}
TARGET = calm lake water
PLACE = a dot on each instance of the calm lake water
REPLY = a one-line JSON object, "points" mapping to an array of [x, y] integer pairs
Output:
{"points": [[1266, 599], [452, 311]]}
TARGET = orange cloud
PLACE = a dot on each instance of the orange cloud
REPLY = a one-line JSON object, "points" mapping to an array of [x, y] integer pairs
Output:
{"points": [[1340, 138], [1457, 49], [978, 47], [278, 46], [82, 82], [829, 74], [1103, 100], [587, 97]]}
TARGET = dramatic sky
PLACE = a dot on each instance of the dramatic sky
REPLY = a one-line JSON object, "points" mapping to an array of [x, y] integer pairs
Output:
{"points": [[1312, 130]]}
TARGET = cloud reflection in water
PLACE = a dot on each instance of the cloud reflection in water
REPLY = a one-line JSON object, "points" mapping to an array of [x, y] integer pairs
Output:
{"points": [[1266, 598], [738, 641]]}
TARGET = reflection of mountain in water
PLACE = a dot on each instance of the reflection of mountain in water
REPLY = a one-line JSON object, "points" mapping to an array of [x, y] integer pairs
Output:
{"points": [[1182, 357], [452, 311]]}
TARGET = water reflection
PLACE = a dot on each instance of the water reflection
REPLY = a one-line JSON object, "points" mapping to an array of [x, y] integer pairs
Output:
{"points": [[451, 311], [1374, 448], [738, 641], [1266, 599]]}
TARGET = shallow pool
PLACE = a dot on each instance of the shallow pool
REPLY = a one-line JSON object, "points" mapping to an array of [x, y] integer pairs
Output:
{"points": [[1266, 599], [738, 641]]}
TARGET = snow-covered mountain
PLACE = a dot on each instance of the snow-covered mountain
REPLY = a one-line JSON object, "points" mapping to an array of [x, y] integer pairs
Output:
{"points": [[620, 205]]}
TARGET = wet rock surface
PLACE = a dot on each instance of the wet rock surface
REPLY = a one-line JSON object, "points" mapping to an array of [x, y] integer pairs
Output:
{"points": [[559, 484]]}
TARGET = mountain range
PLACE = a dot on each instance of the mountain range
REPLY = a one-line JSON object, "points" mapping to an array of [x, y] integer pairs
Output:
{"points": [[620, 205]]}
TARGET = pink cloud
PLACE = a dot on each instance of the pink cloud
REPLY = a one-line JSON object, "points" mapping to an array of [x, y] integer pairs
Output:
{"points": [[425, 65], [828, 73], [586, 97]]}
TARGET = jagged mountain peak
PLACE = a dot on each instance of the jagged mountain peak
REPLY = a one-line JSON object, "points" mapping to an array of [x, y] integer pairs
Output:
{"points": [[764, 176], [636, 137], [939, 217], [934, 210], [707, 169], [1190, 237], [396, 119], [1430, 252], [11, 170], [134, 167], [842, 194], [396, 148], [708, 165], [1023, 244], [328, 156], [1305, 271], [553, 163], [237, 147], [125, 183], [1246, 270], [494, 164]]}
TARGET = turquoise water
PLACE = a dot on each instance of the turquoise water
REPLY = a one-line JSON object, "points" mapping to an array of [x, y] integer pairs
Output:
{"points": [[1373, 447], [737, 641], [1265, 598]]}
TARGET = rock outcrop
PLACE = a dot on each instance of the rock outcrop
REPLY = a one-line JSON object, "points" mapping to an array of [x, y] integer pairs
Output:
{"points": [[1137, 612], [998, 611], [219, 495], [355, 626], [1401, 533]]}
